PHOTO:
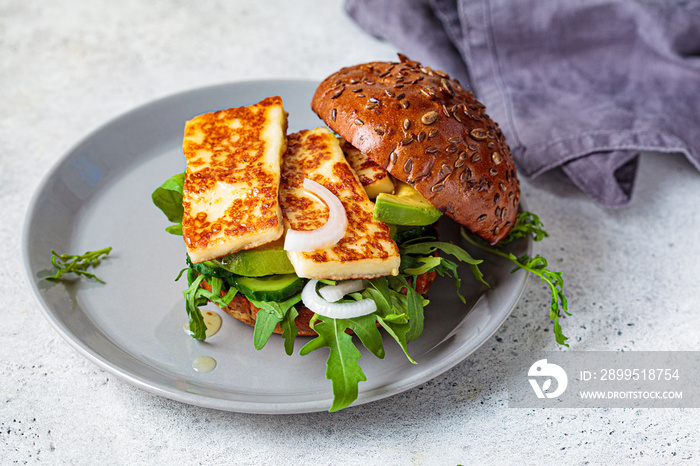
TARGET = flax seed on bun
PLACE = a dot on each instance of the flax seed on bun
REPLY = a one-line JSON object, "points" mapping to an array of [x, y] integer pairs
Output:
{"points": [[430, 132]]}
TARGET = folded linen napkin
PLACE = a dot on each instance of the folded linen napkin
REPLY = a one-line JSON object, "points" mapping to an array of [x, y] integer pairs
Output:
{"points": [[585, 86]]}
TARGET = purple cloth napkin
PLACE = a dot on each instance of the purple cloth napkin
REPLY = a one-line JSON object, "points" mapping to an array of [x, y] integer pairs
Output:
{"points": [[581, 85]]}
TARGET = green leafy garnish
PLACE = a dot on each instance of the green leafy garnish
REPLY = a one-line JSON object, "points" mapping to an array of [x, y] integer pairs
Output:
{"points": [[196, 296], [412, 303], [427, 262], [168, 198], [538, 266], [272, 313], [399, 314], [528, 224], [77, 264], [365, 327], [289, 329], [388, 302], [342, 368]]}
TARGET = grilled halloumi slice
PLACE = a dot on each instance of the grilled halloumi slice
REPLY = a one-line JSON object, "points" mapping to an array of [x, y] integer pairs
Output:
{"points": [[231, 192], [374, 178], [366, 250]]}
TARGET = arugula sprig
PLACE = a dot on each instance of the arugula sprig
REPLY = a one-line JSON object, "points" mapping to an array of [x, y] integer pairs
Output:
{"points": [[399, 313], [442, 266], [196, 295], [393, 310], [77, 263], [342, 368], [272, 313], [269, 314], [529, 224]]}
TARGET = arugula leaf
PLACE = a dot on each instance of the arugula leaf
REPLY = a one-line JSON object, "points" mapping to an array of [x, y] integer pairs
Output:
{"points": [[270, 314], [77, 263], [265, 323], [193, 300], [197, 296], [538, 266], [289, 330], [168, 198], [427, 262], [428, 247], [365, 327], [412, 302], [381, 293], [342, 368], [529, 224], [398, 333], [217, 285], [396, 318], [423, 265]]}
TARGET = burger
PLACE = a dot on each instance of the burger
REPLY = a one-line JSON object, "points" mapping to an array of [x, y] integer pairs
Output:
{"points": [[329, 233]]}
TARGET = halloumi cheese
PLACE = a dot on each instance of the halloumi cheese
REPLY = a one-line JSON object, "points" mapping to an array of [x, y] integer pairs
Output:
{"points": [[366, 250], [374, 178], [231, 192]]}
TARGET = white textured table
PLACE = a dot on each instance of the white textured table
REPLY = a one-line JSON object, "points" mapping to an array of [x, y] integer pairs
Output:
{"points": [[67, 67]]}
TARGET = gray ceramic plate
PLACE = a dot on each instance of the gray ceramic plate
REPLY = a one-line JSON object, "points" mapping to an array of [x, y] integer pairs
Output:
{"points": [[99, 194]]}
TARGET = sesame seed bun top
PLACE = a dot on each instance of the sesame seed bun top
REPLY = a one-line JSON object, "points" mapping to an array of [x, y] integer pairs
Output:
{"points": [[428, 131]]}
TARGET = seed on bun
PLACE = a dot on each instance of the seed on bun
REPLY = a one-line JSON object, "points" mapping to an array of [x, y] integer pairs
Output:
{"points": [[428, 131]]}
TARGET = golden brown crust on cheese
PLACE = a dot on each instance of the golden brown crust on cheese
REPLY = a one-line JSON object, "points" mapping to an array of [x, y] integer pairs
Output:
{"points": [[367, 249], [361, 164], [230, 196], [426, 130], [242, 309]]}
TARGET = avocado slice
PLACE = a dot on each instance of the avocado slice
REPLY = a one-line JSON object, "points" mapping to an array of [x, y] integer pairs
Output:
{"points": [[268, 259], [405, 207]]}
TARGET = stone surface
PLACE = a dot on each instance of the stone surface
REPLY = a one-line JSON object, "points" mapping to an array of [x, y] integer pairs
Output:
{"points": [[66, 67]]}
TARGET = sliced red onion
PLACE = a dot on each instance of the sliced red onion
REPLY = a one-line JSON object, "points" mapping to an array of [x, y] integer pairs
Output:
{"points": [[323, 308], [327, 235], [333, 293]]}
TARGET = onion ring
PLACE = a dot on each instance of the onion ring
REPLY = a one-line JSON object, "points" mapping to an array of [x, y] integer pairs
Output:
{"points": [[323, 308], [324, 236]]}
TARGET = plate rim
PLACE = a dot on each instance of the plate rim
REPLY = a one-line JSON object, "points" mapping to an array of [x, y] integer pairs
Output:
{"points": [[205, 401]]}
